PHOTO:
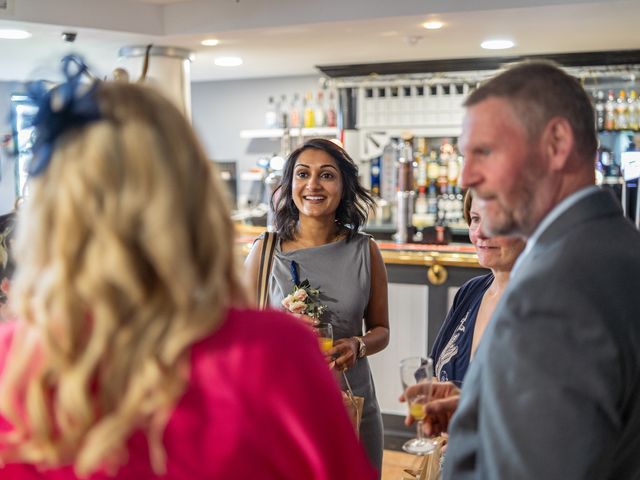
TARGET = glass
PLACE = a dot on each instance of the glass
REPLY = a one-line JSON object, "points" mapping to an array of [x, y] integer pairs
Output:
{"points": [[417, 371], [325, 336]]}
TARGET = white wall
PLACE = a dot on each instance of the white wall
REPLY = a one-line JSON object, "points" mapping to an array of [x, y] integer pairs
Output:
{"points": [[221, 109]]}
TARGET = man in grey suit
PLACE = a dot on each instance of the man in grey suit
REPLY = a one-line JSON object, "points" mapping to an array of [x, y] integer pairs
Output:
{"points": [[554, 390]]}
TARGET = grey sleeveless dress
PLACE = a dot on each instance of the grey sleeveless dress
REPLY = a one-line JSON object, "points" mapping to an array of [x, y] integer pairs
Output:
{"points": [[342, 272]]}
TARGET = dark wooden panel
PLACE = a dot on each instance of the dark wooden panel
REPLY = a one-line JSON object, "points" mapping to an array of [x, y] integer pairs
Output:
{"points": [[580, 59], [395, 431]]}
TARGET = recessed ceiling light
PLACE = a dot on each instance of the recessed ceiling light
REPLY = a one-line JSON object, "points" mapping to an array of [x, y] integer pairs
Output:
{"points": [[228, 61], [433, 25], [11, 34], [210, 42], [497, 44]]}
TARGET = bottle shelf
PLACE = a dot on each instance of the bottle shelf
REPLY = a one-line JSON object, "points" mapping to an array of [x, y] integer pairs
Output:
{"points": [[294, 132], [435, 131]]}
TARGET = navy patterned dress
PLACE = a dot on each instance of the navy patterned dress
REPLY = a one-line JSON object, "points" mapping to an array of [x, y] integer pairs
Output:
{"points": [[451, 351]]}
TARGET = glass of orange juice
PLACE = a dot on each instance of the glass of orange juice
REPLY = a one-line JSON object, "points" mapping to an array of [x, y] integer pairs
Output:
{"points": [[325, 336], [417, 372]]}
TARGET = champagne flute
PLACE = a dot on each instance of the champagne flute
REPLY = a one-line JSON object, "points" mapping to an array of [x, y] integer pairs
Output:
{"points": [[325, 336], [417, 371]]}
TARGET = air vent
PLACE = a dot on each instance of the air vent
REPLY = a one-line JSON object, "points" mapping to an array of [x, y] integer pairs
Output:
{"points": [[6, 7]]}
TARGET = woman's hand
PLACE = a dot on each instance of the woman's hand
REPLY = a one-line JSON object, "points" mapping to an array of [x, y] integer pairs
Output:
{"points": [[439, 409], [345, 352]]}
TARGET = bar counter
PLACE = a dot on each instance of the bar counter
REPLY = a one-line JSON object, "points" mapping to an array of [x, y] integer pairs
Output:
{"points": [[454, 255]]}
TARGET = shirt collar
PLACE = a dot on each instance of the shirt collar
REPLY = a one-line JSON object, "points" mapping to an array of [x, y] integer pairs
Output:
{"points": [[552, 216]]}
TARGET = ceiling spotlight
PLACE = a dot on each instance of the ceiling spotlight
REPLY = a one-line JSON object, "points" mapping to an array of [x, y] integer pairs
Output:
{"points": [[433, 25], [497, 44], [210, 42], [228, 61], [12, 34]]}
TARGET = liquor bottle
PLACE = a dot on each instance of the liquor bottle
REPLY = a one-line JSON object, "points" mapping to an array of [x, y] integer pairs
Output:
{"points": [[451, 205], [421, 201], [309, 116], [453, 168], [318, 112], [442, 206], [433, 168], [270, 116], [459, 205], [420, 218], [375, 176], [332, 117], [282, 113], [443, 164], [294, 112], [621, 110], [421, 161], [610, 112], [634, 110], [599, 108], [432, 204]]}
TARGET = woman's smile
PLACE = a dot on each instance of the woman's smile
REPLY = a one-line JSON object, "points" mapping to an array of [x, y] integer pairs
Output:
{"points": [[314, 198]]}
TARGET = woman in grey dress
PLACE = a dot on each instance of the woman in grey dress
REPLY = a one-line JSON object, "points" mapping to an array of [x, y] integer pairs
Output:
{"points": [[319, 207]]}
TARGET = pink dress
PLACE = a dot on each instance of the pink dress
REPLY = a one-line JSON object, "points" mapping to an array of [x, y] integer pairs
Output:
{"points": [[260, 403]]}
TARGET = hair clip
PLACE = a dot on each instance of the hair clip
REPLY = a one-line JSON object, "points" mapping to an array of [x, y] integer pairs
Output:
{"points": [[72, 104]]}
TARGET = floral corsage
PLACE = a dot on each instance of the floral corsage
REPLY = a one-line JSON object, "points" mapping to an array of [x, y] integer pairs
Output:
{"points": [[303, 299]]}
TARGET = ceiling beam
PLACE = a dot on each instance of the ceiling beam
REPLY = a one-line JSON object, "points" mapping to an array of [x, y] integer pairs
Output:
{"points": [[580, 59]]}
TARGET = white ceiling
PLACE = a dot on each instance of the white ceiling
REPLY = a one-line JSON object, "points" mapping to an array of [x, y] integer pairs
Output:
{"points": [[164, 2], [291, 37]]}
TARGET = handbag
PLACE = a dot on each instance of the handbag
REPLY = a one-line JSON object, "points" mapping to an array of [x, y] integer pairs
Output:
{"points": [[264, 270], [354, 404]]}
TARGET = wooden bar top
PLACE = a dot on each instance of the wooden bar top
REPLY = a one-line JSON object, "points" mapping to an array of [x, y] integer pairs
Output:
{"points": [[454, 255]]}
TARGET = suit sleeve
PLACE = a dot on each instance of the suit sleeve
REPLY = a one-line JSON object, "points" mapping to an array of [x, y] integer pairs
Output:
{"points": [[548, 407]]}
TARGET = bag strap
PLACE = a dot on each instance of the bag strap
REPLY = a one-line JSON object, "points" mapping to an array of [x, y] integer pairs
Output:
{"points": [[349, 392], [266, 262]]}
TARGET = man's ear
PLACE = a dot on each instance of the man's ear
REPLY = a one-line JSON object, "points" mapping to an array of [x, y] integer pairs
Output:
{"points": [[557, 142]]}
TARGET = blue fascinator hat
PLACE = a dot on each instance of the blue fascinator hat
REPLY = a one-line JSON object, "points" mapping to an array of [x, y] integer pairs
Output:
{"points": [[71, 104]]}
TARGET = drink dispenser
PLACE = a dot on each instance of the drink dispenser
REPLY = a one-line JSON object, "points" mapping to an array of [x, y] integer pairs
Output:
{"points": [[405, 194], [166, 68], [630, 192]]}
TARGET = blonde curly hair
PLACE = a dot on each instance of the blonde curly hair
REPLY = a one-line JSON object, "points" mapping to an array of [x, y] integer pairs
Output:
{"points": [[125, 260]]}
